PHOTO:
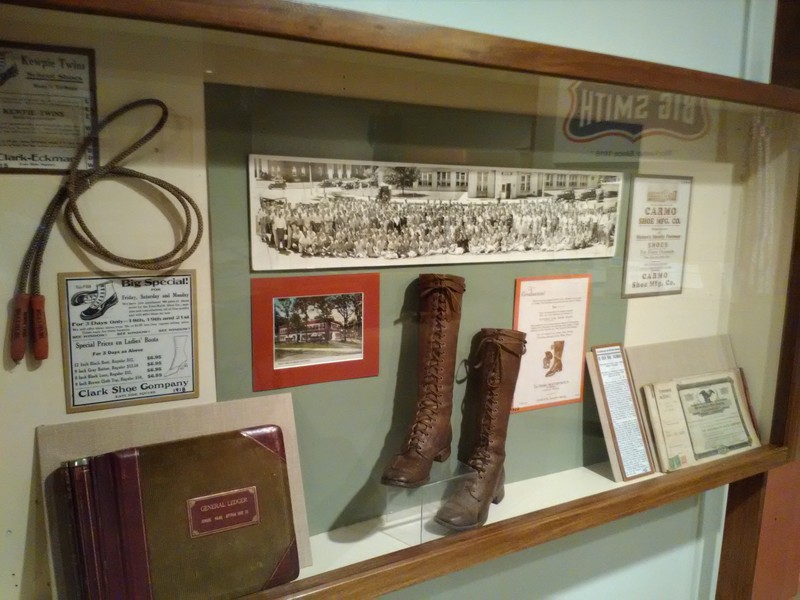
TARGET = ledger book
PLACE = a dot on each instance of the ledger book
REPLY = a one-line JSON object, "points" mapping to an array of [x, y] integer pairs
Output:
{"points": [[205, 517]]}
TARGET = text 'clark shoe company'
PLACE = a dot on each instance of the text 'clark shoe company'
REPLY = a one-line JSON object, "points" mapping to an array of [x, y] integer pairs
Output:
{"points": [[497, 359], [430, 434]]}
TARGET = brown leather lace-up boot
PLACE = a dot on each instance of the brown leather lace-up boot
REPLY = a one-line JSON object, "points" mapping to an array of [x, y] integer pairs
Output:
{"points": [[430, 434], [498, 357]]}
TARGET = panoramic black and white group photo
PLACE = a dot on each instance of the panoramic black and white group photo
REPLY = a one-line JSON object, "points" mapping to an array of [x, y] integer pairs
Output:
{"points": [[329, 213]]}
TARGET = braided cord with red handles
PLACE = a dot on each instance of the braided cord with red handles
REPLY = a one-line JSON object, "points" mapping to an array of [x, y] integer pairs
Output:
{"points": [[27, 295]]}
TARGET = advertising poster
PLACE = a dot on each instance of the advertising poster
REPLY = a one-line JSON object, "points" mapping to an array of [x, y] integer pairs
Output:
{"points": [[657, 236], [552, 312], [47, 107], [128, 339]]}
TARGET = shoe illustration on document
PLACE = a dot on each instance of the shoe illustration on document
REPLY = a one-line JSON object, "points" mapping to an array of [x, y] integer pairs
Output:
{"points": [[180, 360], [100, 300], [556, 365]]}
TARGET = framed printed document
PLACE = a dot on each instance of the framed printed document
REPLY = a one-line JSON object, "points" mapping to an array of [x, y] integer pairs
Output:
{"points": [[622, 419], [48, 101], [128, 339], [552, 311], [656, 245]]}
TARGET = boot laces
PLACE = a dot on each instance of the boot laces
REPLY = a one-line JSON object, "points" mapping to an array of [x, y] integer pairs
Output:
{"points": [[490, 348], [446, 294], [450, 290], [489, 353], [423, 422], [428, 404], [481, 457], [98, 297]]}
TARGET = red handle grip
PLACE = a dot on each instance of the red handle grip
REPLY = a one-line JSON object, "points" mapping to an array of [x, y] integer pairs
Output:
{"points": [[41, 345], [19, 326]]}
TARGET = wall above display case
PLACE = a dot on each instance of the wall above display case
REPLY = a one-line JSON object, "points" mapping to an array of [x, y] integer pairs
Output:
{"points": [[552, 112]]}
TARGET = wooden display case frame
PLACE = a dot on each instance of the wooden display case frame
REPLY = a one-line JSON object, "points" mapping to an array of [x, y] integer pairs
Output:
{"points": [[746, 473]]}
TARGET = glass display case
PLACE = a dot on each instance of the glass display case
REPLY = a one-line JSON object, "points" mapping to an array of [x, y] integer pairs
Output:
{"points": [[524, 162]]}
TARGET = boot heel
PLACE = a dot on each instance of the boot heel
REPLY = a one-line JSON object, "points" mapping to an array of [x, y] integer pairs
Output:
{"points": [[499, 495], [443, 455]]}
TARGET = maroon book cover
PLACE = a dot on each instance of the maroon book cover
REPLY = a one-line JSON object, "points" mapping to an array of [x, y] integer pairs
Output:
{"points": [[206, 517], [78, 484], [107, 530], [127, 484]]}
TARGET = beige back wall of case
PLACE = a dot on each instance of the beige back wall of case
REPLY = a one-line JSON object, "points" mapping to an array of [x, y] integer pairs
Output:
{"points": [[133, 61]]}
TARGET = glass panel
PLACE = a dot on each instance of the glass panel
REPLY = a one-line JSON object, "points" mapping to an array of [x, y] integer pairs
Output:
{"points": [[533, 155], [743, 184]]}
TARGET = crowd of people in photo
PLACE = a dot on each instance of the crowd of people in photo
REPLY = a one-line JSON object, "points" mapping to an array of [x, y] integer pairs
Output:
{"points": [[354, 227]]}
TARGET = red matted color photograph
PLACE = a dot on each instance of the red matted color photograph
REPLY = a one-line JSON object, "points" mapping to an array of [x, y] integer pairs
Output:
{"points": [[314, 329]]}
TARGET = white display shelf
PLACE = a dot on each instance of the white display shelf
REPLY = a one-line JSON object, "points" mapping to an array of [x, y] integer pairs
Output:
{"points": [[382, 535]]}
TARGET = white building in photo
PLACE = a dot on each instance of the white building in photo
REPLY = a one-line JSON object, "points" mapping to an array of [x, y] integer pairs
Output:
{"points": [[317, 330]]}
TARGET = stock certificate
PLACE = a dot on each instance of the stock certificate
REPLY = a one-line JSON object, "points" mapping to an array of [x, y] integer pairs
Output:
{"points": [[702, 418]]}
